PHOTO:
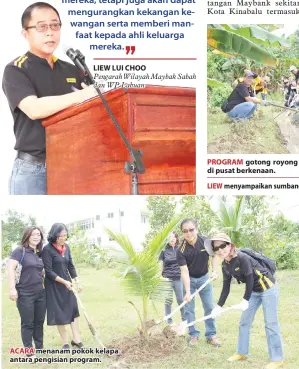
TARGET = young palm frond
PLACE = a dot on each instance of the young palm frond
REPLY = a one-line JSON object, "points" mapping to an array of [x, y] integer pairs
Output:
{"points": [[230, 218], [124, 242], [141, 274]]}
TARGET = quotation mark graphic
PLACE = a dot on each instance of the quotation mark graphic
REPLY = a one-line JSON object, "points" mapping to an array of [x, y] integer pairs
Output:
{"points": [[132, 48]]}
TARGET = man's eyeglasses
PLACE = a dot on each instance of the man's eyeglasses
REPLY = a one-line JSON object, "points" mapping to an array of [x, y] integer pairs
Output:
{"points": [[222, 246], [43, 27], [191, 230]]}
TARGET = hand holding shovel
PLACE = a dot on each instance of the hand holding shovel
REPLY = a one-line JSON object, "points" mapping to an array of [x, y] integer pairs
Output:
{"points": [[185, 302], [181, 329]]}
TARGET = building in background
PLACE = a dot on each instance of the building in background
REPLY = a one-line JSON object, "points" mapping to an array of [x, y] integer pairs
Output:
{"points": [[133, 222]]}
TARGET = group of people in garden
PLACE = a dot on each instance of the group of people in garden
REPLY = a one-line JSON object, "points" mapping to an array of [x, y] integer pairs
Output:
{"points": [[243, 101], [191, 258], [48, 276]]}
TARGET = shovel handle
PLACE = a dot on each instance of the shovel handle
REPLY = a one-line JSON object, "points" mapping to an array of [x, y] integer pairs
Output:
{"points": [[209, 316], [78, 298], [282, 107], [90, 326], [186, 302]]}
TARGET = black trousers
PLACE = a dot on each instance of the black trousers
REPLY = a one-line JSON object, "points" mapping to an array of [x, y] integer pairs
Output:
{"points": [[32, 309]]}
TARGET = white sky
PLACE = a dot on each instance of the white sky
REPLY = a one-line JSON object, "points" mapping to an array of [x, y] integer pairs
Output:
{"points": [[51, 209], [287, 30]]}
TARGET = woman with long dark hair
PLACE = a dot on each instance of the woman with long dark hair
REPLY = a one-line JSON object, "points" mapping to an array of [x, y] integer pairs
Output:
{"points": [[29, 292], [62, 307]]}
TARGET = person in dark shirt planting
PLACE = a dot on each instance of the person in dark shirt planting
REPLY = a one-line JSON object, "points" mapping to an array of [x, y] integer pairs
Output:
{"points": [[28, 291], [171, 271], [261, 289], [193, 260], [241, 104], [62, 307]]}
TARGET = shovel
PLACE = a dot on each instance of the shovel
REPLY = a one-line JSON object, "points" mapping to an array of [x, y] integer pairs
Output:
{"points": [[281, 106], [90, 326], [181, 329], [183, 303]]}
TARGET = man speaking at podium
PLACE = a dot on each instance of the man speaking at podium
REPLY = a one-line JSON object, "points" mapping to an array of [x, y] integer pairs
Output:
{"points": [[37, 85]]}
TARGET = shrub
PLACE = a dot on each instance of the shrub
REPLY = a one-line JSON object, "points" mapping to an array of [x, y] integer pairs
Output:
{"points": [[217, 95], [99, 258], [84, 252], [6, 249], [93, 255], [286, 257]]}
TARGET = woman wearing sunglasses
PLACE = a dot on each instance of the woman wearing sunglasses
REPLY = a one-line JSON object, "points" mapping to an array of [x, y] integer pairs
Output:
{"points": [[260, 289], [62, 307]]}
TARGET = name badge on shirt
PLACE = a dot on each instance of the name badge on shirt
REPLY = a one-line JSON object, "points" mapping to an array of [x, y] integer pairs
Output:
{"points": [[71, 80]]}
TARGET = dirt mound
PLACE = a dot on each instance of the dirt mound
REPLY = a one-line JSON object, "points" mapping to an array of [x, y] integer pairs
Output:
{"points": [[150, 323], [138, 349], [169, 333]]}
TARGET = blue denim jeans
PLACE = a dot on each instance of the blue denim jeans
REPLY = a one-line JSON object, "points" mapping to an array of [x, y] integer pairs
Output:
{"points": [[243, 111], [206, 296], [177, 287], [269, 300], [28, 178]]}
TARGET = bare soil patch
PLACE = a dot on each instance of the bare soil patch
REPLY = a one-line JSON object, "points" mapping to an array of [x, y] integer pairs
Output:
{"points": [[137, 349]]}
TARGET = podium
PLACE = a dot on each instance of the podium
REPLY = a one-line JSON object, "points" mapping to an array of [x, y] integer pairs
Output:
{"points": [[86, 155]]}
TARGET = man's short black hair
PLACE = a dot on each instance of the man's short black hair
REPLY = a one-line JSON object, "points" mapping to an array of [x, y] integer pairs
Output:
{"points": [[55, 231], [28, 11], [187, 220]]}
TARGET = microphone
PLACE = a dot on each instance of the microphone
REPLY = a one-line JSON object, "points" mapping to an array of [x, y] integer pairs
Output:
{"points": [[79, 60], [137, 167]]}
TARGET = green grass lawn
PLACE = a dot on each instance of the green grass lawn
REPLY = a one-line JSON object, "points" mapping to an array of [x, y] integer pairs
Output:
{"points": [[106, 303], [259, 135]]}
